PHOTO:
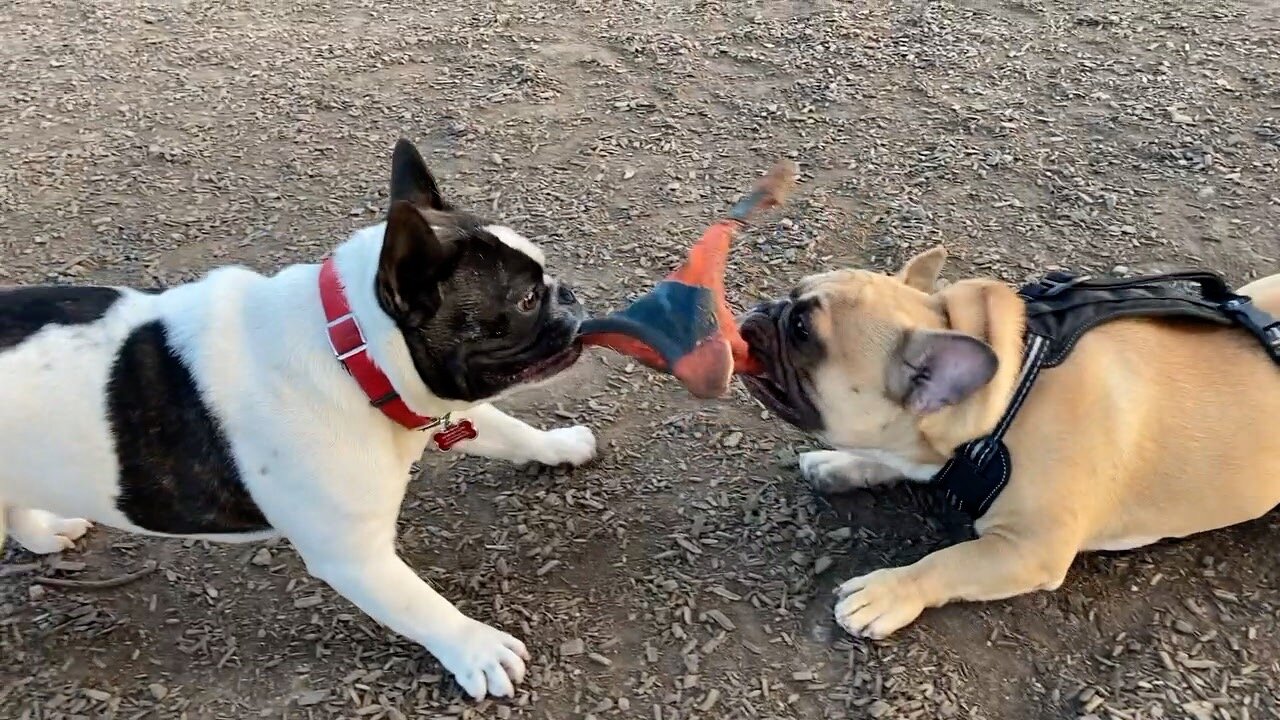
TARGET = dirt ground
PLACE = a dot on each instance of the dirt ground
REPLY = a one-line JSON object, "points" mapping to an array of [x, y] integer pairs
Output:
{"points": [[688, 572]]}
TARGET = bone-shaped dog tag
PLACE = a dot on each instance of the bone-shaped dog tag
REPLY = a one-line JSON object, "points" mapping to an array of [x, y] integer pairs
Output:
{"points": [[454, 434]]}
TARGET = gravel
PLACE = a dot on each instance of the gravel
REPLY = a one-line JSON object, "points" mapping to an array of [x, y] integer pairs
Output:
{"points": [[687, 573]]}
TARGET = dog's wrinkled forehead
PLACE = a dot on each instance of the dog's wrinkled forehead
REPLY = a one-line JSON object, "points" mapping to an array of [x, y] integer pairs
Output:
{"points": [[859, 309], [832, 293]]}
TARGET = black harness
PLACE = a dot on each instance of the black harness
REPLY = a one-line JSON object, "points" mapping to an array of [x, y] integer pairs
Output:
{"points": [[1060, 309]]}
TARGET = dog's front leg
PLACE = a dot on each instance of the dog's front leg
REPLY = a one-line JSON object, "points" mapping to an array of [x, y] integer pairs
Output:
{"points": [[992, 567], [836, 471], [502, 437], [484, 660]]}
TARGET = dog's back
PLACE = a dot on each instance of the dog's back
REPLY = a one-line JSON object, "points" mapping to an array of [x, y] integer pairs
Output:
{"points": [[57, 348], [1194, 407]]}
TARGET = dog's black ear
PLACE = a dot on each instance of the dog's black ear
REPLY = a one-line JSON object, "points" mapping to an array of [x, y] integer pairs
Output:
{"points": [[412, 262], [411, 181], [937, 369]]}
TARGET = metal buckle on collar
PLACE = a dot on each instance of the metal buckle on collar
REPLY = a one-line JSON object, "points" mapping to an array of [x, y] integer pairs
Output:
{"points": [[1243, 311], [360, 345]]}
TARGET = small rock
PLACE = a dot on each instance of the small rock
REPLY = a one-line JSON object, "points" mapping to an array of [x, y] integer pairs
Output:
{"points": [[1206, 193], [879, 709], [720, 619], [1120, 270], [262, 558], [158, 691], [312, 697], [36, 592], [1181, 118], [822, 564], [570, 648], [732, 439]]}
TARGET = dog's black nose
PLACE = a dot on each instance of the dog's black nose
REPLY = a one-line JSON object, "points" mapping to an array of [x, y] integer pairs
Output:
{"points": [[564, 294]]}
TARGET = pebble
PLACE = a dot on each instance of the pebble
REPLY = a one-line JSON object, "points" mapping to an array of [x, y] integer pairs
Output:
{"points": [[262, 558], [570, 648], [720, 619], [158, 691]]}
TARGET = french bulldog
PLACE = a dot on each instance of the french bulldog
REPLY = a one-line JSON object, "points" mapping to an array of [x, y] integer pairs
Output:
{"points": [[1150, 429], [224, 408]]}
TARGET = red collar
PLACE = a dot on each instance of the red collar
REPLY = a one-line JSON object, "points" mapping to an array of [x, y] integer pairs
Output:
{"points": [[349, 346]]}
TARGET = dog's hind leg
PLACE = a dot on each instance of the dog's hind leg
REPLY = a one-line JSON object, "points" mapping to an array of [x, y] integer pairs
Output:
{"points": [[43, 532]]}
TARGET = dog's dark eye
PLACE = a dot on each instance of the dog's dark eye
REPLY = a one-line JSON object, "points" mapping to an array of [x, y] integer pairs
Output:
{"points": [[799, 323], [530, 300]]}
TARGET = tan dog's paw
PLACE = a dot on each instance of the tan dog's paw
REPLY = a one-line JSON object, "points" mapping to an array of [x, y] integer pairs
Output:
{"points": [[877, 604], [835, 471]]}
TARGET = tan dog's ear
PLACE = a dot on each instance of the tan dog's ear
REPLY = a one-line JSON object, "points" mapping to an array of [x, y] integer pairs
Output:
{"points": [[940, 368], [921, 272], [992, 312]]}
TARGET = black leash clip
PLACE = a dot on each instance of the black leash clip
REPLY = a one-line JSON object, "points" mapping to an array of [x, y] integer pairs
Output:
{"points": [[1257, 321]]}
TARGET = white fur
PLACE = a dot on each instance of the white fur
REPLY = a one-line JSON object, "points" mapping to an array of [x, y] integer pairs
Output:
{"points": [[907, 469], [516, 241], [328, 470]]}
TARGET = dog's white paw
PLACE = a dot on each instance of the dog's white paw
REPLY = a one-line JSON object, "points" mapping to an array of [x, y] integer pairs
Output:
{"points": [[878, 604], [833, 471], [44, 533], [484, 660], [570, 445]]}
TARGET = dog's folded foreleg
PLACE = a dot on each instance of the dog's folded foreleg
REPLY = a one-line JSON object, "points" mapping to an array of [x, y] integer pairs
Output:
{"points": [[484, 660], [502, 437], [836, 471], [992, 567]]}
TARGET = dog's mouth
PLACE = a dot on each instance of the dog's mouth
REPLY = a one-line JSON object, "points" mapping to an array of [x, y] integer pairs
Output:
{"points": [[549, 366], [782, 387]]}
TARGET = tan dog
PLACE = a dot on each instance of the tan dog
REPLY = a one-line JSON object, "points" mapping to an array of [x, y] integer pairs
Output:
{"points": [[1150, 429]]}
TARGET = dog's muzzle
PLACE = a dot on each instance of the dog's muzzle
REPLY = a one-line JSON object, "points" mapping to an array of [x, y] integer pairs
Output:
{"points": [[782, 388]]}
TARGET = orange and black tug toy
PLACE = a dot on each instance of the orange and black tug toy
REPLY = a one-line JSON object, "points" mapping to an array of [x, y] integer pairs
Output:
{"points": [[684, 326]]}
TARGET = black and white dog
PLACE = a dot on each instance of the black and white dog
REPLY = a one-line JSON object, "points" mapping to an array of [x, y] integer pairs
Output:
{"points": [[241, 407]]}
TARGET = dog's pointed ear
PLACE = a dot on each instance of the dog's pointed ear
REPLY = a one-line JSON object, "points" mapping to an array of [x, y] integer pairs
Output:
{"points": [[411, 181], [411, 263], [922, 271], [940, 368]]}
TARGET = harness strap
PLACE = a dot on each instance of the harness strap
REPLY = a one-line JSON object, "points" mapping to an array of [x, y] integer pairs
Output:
{"points": [[1061, 308], [969, 480]]}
